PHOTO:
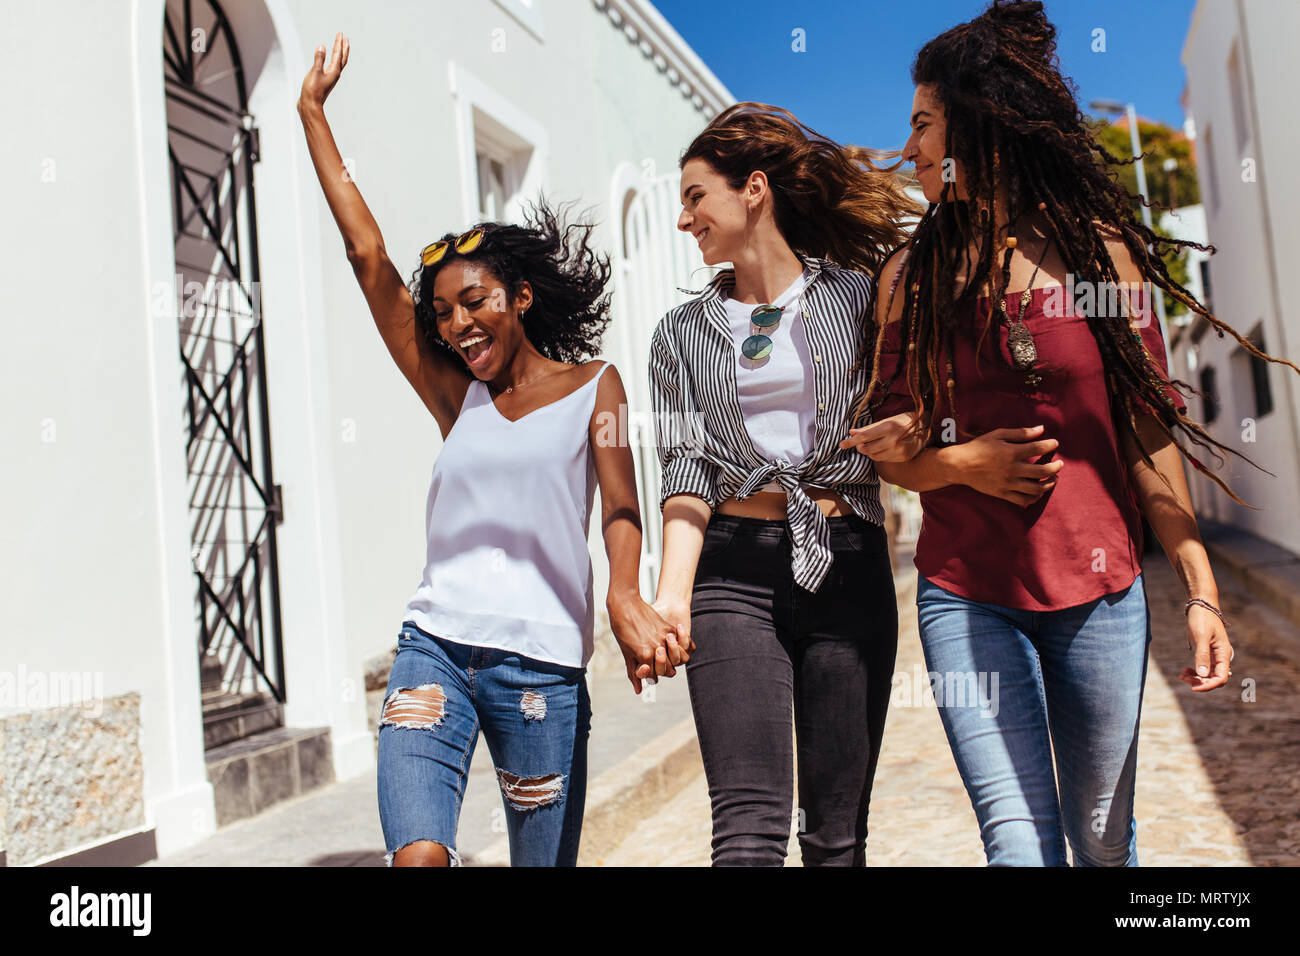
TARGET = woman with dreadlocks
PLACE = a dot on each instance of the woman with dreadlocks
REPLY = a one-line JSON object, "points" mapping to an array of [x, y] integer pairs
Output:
{"points": [[1052, 428], [492, 336]]}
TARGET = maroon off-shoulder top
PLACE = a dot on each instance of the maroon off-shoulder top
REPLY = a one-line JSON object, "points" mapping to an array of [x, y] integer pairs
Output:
{"points": [[1078, 542]]}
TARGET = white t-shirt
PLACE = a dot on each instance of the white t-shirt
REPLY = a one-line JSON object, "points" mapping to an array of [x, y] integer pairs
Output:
{"points": [[777, 396]]}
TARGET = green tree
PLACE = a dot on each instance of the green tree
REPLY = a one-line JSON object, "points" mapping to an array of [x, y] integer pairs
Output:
{"points": [[1171, 189], [1159, 143], [1176, 262]]}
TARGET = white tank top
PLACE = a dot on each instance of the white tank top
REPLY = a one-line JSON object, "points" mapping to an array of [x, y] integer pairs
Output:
{"points": [[777, 396], [506, 522]]}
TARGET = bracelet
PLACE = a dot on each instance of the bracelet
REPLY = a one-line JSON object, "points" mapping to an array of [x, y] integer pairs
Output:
{"points": [[1208, 606]]}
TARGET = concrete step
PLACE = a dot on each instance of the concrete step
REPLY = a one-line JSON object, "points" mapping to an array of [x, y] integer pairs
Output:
{"points": [[256, 772], [228, 717], [210, 671]]}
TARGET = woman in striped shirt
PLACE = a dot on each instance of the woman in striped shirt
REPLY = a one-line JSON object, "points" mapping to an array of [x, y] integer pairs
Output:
{"points": [[773, 533]]}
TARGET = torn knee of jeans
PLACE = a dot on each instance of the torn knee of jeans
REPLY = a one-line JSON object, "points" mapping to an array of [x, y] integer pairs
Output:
{"points": [[419, 708], [528, 793], [533, 705], [453, 858]]}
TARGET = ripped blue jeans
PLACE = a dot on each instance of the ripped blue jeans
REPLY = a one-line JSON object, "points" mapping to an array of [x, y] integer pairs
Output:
{"points": [[535, 717]]}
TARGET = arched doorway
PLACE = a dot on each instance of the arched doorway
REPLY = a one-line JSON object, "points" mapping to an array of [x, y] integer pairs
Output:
{"points": [[654, 262], [234, 503]]}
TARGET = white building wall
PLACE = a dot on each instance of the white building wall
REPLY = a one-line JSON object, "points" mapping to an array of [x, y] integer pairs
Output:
{"points": [[1252, 209], [94, 547]]}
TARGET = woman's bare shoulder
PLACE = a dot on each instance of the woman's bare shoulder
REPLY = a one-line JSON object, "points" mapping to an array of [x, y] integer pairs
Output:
{"points": [[889, 307]]}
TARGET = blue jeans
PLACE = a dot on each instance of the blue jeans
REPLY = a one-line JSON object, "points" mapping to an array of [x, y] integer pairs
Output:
{"points": [[535, 717], [1070, 679]]}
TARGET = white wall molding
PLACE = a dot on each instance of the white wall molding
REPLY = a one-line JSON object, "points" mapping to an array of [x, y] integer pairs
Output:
{"points": [[175, 773], [645, 28], [528, 13], [324, 679]]}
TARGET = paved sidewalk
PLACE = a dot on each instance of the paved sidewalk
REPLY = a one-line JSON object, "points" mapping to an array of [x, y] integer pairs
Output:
{"points": [[1218, 774]]}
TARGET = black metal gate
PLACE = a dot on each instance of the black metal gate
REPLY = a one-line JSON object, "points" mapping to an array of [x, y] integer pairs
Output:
{"points": [[234, 505]]}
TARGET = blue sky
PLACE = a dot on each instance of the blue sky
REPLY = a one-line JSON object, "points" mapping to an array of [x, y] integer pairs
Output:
{"points": [[853, 83]]}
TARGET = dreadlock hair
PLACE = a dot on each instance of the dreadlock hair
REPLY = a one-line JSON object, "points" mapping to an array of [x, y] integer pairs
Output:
{"points": [[1016, 130], [570, 308], [829, 201]]}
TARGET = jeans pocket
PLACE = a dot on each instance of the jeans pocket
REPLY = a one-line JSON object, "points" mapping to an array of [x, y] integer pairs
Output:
{"points": [[717, 538], [865, 537]]}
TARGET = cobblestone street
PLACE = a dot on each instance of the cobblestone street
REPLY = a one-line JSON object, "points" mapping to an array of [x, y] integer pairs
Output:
{"points": [[1217, 773]]}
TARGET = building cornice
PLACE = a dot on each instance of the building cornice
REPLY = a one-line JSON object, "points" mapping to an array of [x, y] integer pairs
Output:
{"points": [[645, 28]]}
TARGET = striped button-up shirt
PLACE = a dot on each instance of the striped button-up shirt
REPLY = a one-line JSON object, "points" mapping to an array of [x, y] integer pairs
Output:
{"points": [[704, 447]]}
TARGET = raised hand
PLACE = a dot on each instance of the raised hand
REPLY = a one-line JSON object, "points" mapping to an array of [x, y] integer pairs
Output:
{"points": [[321, 77]]}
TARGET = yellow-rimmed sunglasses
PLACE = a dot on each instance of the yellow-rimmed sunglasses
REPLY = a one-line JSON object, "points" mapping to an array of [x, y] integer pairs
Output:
{"points": [[465, 243]]}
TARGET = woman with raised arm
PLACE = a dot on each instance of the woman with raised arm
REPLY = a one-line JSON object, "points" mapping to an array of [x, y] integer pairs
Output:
{"points": [[775, 559], [1052, 430], [498, 635]]}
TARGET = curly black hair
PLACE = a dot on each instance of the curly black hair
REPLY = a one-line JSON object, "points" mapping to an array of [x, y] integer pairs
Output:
{"points": [[570, 308], [1013, 121]]}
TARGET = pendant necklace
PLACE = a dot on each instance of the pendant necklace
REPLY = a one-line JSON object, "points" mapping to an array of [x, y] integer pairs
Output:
{"points": [[510, 388], [1024, 354]]}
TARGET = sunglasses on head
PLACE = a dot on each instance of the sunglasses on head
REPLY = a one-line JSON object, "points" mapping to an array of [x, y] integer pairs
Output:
{"points": [[464, 244]]}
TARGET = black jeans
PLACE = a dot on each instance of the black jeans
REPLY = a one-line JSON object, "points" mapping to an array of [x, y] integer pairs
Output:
{"points": [[765, 647]]}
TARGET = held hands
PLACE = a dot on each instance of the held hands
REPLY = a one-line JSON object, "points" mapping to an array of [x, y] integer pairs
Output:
{"points": [[650, 644], [1208, 639], [677, 612], [884, 441], [321, 78], [998, 464]]}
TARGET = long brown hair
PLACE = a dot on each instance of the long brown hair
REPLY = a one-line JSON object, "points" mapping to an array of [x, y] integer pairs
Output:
{"points": [[830, 201], [1013, 124]]}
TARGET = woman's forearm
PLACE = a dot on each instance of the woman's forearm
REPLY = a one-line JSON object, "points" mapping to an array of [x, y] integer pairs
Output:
{"points": [[361, 235], [1168, 508], [932, 468], [623, 548], [686, 517]]}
